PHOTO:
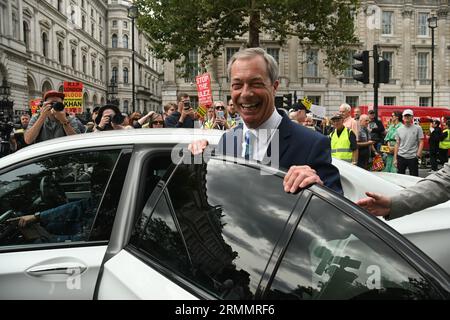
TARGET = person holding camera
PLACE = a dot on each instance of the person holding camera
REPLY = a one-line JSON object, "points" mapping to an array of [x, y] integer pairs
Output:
{"points": [[51, 121], [184, 117], [110, 118]]}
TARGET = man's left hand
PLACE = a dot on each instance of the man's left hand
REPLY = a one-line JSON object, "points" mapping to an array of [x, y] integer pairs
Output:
{"points": [[60, 116], [300, 177]]}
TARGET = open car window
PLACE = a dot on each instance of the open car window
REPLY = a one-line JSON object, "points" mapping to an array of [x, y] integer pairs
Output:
{"points": [[58, 196]]}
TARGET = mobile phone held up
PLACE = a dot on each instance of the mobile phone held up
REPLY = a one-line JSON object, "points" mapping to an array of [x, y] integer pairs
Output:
{"points": [[220, 115], [187, 105]]}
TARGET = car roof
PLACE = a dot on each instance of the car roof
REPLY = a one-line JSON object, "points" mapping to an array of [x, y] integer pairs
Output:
{"points": [[113, 138]]}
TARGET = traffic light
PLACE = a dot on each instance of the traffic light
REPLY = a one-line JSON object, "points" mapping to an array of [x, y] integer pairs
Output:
{"points": [[383, 71], [363, 66], [287, 100]]}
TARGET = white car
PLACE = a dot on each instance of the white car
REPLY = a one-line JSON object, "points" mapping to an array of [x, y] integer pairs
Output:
{"points": [[427, 229], [128, 214]]}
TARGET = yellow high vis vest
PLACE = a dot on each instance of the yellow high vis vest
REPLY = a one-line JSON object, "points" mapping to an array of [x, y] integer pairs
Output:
{"points": [[445, 144], [340, 146]]}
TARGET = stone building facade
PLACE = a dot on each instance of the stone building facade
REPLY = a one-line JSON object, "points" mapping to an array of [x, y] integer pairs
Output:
{"points": [[398, 27], [44, 43]]}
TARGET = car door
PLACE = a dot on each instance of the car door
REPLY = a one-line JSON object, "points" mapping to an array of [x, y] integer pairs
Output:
{"points": [[69, 201], [340, 252], [206, 231]]}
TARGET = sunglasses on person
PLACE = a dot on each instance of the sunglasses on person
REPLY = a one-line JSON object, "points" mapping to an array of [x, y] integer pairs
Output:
{"points": [[220, 108], [158, 122]]}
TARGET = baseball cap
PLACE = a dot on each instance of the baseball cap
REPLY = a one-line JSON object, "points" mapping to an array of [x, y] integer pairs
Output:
{"points": [[336, 116], [53, 93], [408, 112]]}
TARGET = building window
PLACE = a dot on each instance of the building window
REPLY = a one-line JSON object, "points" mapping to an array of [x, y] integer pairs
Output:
{"points": [[192, 65], [60, 5], [114, 24], [99, 20], [125, 75], [230, 53], [114, 40], [125, 24], [315, 100], [275, 53], [74, 59], [92, 30], [389, 56], [423, 24], [387, 22], [422, 65], [26, 33], [348, 72], [114, 75], [84, 64], [60, 52], [389, 101], [125, 41], [312, 69], [92, 12], [125, 106], [82, 3], [83, 23], [100, 36], [93, 68], [424, 101], [353, 101], [44, 44], [101, 73]]}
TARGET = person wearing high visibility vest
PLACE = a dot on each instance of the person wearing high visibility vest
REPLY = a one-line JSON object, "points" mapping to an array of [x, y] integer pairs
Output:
{"points": [[444, 145], [343, 141]]}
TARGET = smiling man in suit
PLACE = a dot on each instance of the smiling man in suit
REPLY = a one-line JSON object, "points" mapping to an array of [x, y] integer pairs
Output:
{"points": [[270, 136]]}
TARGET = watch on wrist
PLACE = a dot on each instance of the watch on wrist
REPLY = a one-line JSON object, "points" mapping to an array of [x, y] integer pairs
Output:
{"points": [[37, 215]]}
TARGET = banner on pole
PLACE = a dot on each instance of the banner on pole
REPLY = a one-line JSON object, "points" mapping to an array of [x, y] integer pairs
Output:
{"points": [[73, 100], [204, 90]]}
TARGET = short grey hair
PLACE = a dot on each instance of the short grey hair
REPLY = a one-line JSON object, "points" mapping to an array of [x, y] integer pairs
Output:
{"points": [[346, 107], [249, 53]]}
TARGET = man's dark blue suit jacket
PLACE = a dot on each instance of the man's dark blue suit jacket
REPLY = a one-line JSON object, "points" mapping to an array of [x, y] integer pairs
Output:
{"points": [[298, 145]]}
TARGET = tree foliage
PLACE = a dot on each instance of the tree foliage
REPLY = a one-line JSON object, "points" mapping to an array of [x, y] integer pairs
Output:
{"points": [[177, 26]]}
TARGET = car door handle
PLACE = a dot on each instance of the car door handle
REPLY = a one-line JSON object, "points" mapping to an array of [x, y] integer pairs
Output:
{"points": [[57, 268]]}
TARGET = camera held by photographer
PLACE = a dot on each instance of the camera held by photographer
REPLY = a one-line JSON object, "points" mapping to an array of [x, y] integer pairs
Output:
{"points": [[51, 121]]}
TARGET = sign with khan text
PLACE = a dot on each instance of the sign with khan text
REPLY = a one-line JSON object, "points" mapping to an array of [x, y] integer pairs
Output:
{"points": [[204, 90], [73, 100]]}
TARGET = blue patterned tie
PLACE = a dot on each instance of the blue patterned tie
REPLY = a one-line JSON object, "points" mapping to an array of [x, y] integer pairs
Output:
{"points": [[248, 145]]}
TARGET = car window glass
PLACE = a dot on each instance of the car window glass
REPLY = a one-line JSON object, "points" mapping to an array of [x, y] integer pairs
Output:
{"points": [[54, 199], [104, 220], [216, 225], [331, 256]]}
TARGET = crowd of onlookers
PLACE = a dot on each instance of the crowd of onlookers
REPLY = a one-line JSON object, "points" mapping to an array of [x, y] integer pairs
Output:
{"points": [[358, 139]]}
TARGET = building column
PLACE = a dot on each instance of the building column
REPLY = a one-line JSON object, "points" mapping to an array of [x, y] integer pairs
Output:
{"points": [[20, 17], [9, 22], [407, 70]]}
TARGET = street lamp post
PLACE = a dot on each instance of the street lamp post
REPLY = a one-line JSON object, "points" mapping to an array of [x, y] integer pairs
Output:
{"points": [[132, 14], [432, 24]]}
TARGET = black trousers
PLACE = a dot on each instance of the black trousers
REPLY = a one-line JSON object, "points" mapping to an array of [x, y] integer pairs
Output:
{"points": [[443, 155], [434, 156], [411, 164]]}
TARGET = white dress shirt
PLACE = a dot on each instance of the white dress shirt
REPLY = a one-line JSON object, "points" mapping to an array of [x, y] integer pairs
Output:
{"points": [[263, 136]]}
